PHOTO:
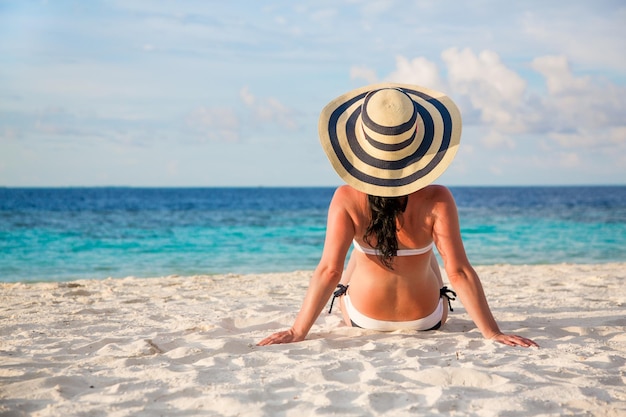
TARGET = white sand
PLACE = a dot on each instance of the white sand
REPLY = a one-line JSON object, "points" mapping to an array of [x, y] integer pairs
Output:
{"points": [[185, 346]]}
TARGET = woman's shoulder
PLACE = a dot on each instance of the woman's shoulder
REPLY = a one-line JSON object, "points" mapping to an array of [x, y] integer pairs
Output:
{"points": [[435, 193], [432, 202], [347, 193], [349, 200]]}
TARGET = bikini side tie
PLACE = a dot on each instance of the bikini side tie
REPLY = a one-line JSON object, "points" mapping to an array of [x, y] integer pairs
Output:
{"points": [[444, 291], [338, 293]]}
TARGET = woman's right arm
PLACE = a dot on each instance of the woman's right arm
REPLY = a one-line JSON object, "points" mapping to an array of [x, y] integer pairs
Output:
{"points": [[462, 276], [339, 235]]}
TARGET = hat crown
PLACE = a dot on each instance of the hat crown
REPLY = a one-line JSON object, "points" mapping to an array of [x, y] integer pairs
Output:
{"points": [[389, 118], [389, 107]]}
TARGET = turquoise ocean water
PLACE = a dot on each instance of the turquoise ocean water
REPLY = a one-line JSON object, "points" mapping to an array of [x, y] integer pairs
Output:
{"points": [[75, 233]]}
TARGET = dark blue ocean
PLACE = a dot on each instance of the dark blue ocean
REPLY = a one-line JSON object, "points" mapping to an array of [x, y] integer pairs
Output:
{"points": [[64, 234]]}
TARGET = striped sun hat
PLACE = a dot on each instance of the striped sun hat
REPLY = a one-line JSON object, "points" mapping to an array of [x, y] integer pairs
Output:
{"points": [[390, 139]]}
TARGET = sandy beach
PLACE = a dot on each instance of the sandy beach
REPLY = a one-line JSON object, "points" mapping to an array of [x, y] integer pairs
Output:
{"points": [[186, 346]]}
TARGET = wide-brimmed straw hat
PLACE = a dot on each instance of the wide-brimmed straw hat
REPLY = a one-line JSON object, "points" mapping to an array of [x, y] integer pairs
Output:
{"points": [[390, 139]]}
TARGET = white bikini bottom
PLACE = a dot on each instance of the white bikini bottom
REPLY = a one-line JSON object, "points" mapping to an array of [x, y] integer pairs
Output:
{"points": [[430, 322]]}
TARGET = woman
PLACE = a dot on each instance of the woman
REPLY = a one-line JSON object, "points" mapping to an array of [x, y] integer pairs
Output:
{"points": [[389, 142]]}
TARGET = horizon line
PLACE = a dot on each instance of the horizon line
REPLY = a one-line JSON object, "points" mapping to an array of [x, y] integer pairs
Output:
{"points": [[298, 186]]}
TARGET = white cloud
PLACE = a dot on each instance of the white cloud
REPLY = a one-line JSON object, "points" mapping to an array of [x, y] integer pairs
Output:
{"points": [[495, 139], [419, 71], [493, 89], [569, 160], [363, 73], [269, 111], [172, 167], [495, 170], [9, 133], [617, 135], [591, 35], [246, 96], [277, 112], [608, 138], [581, 113], [577, 139], [214, 123], [323, 15], [559, 78]]}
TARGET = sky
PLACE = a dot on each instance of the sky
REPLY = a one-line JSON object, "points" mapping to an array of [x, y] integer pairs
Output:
{"points": [[228, 93]]}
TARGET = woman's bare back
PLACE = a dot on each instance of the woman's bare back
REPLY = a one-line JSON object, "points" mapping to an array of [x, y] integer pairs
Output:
{"points": [[408, 291]]}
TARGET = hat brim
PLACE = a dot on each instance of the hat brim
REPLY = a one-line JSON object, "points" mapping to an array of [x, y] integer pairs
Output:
{"points": [[439, 127]]}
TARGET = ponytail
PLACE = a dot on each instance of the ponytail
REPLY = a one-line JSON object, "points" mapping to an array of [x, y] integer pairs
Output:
{"points": [[384, 212]]}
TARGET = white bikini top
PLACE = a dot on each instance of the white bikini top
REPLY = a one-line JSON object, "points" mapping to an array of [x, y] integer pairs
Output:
{"points": [[401, 252]]}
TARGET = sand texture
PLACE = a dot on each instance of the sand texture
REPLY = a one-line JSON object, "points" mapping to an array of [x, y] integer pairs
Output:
{"points": [[186, 346]]}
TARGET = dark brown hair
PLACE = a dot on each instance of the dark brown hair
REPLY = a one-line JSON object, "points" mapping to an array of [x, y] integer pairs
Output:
{"points": [[384, 211]]}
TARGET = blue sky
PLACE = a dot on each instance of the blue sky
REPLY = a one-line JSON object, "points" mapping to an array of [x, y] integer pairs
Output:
{"points": [[228, 93]]}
